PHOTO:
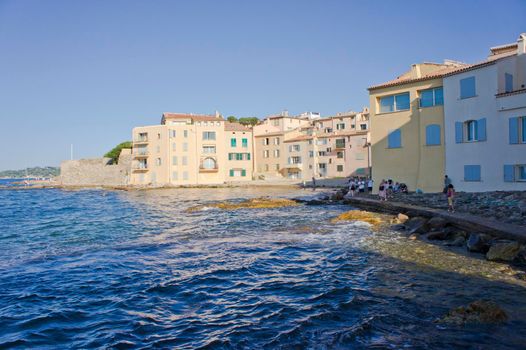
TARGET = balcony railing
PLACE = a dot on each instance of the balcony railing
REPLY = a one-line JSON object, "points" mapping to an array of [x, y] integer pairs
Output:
{"points": [[202, 169], [141, 154], [140, 167], [141, 140], [340, 144]]}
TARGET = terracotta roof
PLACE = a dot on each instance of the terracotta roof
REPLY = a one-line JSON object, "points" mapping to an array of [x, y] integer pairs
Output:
{"points": [[278, 133], [299, 138], [236, 127], [491, 60], [196, 117], [349, 133]]}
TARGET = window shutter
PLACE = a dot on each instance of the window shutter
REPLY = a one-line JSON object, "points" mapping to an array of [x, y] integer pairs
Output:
{"points": [[459, 132], [394, 139], [509, 173], [433, 134], [231, 172], [248, 156], [243, 172], [481, 132], [472, 173], [514, 130]]}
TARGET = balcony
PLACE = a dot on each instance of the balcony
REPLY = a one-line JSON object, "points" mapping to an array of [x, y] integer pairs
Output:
{"points": [[141, 154], [140, 140], [340, 145], [202, 169], [511, 100], [140, 167]]}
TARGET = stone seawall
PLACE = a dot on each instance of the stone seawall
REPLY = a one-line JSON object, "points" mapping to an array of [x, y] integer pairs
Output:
{"points": [[96, 172]]}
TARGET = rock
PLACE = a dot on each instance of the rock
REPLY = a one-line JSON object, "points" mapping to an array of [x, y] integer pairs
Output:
{"points": [[416, 225], [398, 227], [337, 196], [502, 250], [478, 242], [480, 311], [402, 218], [437, 235], [456, 242], [436, 223], [414, 236]]}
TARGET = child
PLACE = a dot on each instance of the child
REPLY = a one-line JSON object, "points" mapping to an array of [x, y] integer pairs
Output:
{"points": [[450, 198], [382, 191]]}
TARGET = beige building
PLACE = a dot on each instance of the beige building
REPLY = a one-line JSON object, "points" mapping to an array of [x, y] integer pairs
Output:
{"points": [[407, 127], [190, 149], [305, 146]]}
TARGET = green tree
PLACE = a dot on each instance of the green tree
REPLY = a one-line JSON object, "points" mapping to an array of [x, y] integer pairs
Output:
{"points": [[249, 121], [116, 151], [232, 119]]}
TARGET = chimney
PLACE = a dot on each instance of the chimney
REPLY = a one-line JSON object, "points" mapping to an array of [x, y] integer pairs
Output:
{"points": [[415, 71], [285, 113], [521, 44], [217, 114]]}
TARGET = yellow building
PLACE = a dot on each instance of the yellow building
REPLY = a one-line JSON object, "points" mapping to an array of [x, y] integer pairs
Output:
{"points": [[189, 149], [407, 127]]}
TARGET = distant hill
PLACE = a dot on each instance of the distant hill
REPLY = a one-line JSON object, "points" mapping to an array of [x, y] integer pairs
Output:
{"points": [[48, 171]]}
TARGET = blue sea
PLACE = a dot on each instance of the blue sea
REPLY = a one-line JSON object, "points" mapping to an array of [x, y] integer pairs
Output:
{"points": [[94, 269]]}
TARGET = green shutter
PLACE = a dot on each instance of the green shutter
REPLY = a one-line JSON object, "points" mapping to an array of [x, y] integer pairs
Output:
{"points": [[243, 172], [233, 142], [244, 142], [248, 156], [231, 172]]}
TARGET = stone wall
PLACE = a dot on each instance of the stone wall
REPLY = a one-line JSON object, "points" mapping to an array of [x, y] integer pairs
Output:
{"points": [[97, 171]]}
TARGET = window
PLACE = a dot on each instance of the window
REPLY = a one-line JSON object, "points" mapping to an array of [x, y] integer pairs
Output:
{"points": [[517, 133], [513, 173], [244, 143], [185, 175], [339, 154], [470, 131], [174, 147], [175, 176], [340, 126], [339, 168], [266, 141], [233, 142], [266, 167], [321, 142], [143, 136], [363, 126], [432, 97], [277, 167], [209, 135], [185, 147], [328, 130], [209, 149], [311, 154], [433, 135], [172, 133], [294, 148], [185, 133], [467, 87], [276, 140], [310, 142], [185, 160], [174, 160], [294, 160], [265, 153], [276, 153], [394, 103], [158, 161], [340, 143], [471, 172], [322, 154], [508, 82], [209, 163], [275, 122], [394, 139]]}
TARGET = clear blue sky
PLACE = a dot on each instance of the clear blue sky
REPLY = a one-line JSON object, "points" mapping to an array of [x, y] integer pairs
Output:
{"points": [[86, 72]]}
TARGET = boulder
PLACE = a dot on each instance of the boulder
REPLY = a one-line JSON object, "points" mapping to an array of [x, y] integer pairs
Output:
{"points": [[437, 223], [478, 242], [337, 196], [402, 218], [480, 311], [417, 225], [457, 241], [437, 235], [398, 227], [503, 250], [413, 236]]}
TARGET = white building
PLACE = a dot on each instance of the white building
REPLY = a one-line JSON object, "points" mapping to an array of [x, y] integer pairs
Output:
{"points": [[485, 122]]}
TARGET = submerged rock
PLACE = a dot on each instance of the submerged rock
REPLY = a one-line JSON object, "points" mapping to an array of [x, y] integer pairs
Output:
{"points": [[480, 311], [253, 203], [417, 225], [436, 223], [503, 250], [457, 241], [478, 242], [360, 215], [402, 218], [438, 235]]}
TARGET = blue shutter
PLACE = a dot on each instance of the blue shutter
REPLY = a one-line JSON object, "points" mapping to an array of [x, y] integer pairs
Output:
{"points": [[514, 130], [508, 82], [471, 172], [394, 139], [459, 132], [433, 134], [509, 173], [467, 87], [481, 132]]}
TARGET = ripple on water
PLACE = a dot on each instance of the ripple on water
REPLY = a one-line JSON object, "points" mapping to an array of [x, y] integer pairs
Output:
{"points": [[94, 269]]}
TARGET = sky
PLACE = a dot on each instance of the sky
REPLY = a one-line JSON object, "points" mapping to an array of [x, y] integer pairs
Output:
{"points": [[86, 72]]}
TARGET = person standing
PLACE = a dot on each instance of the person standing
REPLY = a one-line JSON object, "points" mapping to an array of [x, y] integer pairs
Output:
{"points": [[450, 198], [447, 182], [352, 188], [370, 184], [313, 184], [361, 186], [382, 191]]}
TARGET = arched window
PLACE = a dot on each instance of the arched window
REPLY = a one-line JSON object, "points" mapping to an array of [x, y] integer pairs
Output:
{"points": [[209, 163]]}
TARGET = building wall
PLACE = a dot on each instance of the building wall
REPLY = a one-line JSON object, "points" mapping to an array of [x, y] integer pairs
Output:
{"points": [[415, 163], [496, 151]]}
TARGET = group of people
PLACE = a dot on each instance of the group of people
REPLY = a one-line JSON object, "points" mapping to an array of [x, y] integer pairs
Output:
{"points": [[359, 184], [389, 187]]}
